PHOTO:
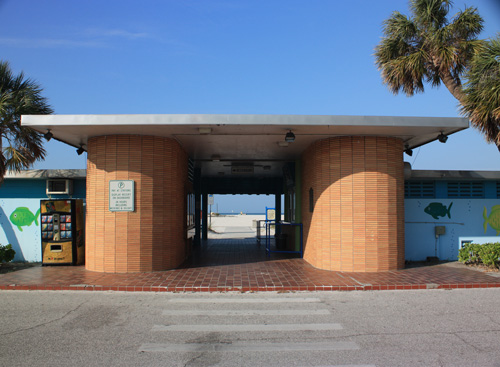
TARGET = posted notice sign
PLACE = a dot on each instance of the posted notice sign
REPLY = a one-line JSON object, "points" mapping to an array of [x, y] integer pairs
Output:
{"points": [[121, 195]]}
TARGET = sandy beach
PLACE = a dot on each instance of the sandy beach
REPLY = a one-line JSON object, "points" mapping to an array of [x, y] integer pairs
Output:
{"points": [[235, 226]]}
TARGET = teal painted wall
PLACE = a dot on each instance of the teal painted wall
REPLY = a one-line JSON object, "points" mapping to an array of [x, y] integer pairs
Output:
{"points": [[466, 219], [34, 188], [22, 197], [22, 233]]}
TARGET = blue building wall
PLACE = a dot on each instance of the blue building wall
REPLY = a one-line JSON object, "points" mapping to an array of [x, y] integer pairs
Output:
{"points": [[35, 188], [466, 221], [22, 197], [467, 209]]}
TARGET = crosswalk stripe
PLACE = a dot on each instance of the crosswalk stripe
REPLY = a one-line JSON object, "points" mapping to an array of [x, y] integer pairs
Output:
{"points": [[248, 347], [244, 312], [245, 300], [248, 327]]}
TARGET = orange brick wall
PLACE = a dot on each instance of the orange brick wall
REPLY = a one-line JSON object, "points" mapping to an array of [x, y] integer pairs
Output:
{"points": [[153, 237], [358, 219]]}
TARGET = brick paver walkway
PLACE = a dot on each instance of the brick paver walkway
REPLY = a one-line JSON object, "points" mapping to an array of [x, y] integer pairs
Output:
{"points": [[240, 265]]}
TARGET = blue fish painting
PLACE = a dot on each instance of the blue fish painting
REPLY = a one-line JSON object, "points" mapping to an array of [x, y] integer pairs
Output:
{"points": [[436, 210]]}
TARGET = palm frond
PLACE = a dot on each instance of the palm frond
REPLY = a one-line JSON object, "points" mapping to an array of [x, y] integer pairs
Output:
{"points": [[19, 96], [482, 89]]}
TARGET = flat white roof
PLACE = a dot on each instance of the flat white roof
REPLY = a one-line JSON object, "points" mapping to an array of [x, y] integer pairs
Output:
{"points": [[236, 138]]}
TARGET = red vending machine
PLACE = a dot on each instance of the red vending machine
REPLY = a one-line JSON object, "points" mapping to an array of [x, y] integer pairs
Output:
{"points": [[62, 232]]}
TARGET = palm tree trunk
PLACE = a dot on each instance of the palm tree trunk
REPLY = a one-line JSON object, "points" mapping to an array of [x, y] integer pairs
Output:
{"points": [[454, 87]]}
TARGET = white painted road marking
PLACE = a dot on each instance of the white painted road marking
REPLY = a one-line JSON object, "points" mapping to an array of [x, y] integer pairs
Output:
{"points": [[244, 300], [247, 327], [248, 347], [245, 312]]}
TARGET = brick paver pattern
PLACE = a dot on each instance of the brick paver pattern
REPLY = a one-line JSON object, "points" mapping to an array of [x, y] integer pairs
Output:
{"points": [[223, 265]]}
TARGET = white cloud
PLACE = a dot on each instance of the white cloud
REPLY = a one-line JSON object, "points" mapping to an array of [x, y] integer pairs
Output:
{"points": [[122, 33], [92, 38], [47, 42]]}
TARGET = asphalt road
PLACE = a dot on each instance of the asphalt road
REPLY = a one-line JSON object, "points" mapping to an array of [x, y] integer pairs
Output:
{"points": [[383, 328]]}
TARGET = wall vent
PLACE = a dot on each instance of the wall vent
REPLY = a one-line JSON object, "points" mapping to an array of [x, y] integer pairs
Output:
{"points": [[466, 189], [419, 189]]}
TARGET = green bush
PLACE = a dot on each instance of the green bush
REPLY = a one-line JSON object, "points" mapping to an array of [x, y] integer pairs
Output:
{"points": [[6, 253], [487, 254], [469, 253], [490, 254]]}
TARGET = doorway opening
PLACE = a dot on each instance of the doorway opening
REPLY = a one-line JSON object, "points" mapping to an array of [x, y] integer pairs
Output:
{"points": [[233, 221]]}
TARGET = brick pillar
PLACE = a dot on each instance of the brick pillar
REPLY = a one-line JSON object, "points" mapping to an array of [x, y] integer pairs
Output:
{"points": [[153, 237], [357, 187]]}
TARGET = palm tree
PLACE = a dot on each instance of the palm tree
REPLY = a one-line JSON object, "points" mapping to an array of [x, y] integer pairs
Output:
{"points": [[430, 48], [19, 96], [482, 91]]}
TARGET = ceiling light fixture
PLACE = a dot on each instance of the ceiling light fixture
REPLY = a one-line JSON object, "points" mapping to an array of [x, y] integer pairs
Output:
{"points": [[408, 150], [48, 135], [80, 150], [442, 138], [205, 130], [283, 144], [290, 137]]}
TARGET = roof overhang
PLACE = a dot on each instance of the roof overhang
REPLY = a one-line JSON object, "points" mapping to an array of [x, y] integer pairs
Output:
{"points": [[43, 174], [239, 138]]}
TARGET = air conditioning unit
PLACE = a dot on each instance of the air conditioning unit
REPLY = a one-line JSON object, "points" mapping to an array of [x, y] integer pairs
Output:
{"points": [[59, 187]]}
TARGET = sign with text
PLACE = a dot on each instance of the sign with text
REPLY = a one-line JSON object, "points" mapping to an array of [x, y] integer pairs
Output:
{"points": [[121, 195]]}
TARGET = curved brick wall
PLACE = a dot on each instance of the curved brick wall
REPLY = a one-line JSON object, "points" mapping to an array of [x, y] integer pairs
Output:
{"points": [[358, 190], [153, 237]]}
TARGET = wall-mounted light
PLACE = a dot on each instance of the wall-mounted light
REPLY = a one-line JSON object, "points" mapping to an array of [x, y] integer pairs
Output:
{"points": [[48, 135], [289, 137], [408, 150], [442, 138], [205, 130], [80, 150]]}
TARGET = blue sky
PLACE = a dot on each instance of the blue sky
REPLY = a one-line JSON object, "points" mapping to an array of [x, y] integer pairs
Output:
{"points": [[224, 56]]}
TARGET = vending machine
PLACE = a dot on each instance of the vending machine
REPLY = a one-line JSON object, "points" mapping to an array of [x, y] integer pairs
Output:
{"points": [[62, 232]]}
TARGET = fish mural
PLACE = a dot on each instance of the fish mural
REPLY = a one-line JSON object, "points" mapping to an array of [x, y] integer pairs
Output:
{"points": [[24, 217], [493, 219], [436, 210]]}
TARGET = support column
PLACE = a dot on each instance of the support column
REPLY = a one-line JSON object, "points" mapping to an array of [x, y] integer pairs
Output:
{"points": [[197, 206], [277, 208], [355, 221], [205, 216], [153, 236]]}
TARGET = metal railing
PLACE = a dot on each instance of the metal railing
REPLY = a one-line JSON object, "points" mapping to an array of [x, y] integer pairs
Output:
{"points": [[280, 243]]}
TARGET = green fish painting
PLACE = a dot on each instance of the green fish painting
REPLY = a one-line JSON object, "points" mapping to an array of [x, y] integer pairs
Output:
{"points": [[436, 210], [493, 220], [23, 217]]}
